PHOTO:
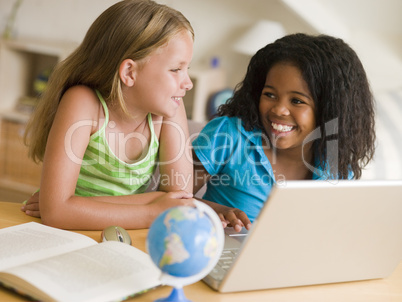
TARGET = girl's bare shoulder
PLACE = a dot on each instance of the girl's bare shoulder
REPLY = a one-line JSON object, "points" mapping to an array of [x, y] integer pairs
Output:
{"points": [[81, 100]]}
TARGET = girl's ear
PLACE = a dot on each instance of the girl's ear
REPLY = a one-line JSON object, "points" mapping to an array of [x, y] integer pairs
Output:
{"points": [[127, 72]]}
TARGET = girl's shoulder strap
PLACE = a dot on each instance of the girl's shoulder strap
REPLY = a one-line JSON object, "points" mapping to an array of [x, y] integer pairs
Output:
{"points": [[105, 110], [151, 124]]}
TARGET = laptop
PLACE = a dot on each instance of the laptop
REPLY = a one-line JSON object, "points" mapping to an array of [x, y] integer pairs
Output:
{"points": [[316, 232]]}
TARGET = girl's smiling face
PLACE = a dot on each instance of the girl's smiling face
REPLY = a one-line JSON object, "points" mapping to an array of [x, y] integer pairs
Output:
{"points": [[163, 80], [286, 107]]}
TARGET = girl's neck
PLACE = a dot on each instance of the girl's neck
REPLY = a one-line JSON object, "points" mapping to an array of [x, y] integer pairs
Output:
{"points": [[128, 136], [134, 117], [290, 164]]}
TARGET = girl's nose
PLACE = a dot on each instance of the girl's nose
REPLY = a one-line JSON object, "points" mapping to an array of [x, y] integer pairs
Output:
{"points": [[187, 83], [280, 108]]}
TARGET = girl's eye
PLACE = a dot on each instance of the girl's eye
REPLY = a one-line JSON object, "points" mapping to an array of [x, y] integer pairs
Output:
{"points": [[269, 95], [175, 70], [297, 101]]}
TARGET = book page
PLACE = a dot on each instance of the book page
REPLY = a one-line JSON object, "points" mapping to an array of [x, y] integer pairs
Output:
{"points": [[32, 241], [104, 272]]}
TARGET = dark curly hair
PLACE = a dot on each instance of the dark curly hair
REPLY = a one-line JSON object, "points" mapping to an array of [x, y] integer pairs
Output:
{"points": [[338, 84]]}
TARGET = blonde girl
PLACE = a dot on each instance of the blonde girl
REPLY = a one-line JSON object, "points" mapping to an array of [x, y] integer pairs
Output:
{"points": [[111, 111]]}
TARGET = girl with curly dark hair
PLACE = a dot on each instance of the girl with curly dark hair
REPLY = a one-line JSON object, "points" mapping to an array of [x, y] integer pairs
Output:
{"points": [[303, 111]]}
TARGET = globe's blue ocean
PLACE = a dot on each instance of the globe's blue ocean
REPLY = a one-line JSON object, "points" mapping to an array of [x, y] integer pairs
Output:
{"points": [[182, 241]]}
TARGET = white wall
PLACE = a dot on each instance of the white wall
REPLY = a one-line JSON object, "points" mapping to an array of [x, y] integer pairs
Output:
{"points": [[54, 19], [375, 24]]}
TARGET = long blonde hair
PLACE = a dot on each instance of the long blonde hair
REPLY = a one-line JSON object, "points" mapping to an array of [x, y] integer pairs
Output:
{"points": [[130, 29]]}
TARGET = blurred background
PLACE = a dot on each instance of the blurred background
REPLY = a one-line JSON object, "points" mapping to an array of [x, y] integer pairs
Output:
{"points": [[372, 27]]}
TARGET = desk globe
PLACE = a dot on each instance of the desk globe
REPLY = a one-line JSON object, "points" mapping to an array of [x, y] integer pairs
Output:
{"points": [[185, 243]]}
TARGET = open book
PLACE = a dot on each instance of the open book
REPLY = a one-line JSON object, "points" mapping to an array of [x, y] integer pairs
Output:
{"points": [[50, 264]]}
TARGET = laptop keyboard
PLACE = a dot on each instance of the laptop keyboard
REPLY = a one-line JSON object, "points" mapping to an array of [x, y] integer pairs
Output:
{"points": [[233, 244], [224, 263]]}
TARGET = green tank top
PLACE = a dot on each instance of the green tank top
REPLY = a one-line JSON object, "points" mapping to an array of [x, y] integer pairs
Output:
{"points": [[102, 173]]}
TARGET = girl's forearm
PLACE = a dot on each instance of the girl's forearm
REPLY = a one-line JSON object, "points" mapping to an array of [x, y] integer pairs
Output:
{"points": [[87, 213], [137, 199], [96, 213]]}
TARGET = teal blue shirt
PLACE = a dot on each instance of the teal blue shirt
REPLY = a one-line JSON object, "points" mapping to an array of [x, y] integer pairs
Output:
{"points": [[242, 176]]}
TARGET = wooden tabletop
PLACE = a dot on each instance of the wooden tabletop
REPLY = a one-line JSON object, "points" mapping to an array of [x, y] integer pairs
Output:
{"points": [[380, 290]]}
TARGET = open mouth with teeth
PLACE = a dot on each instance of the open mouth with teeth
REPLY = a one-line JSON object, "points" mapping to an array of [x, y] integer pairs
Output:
{"points": [[177, 99], [281, 128]]}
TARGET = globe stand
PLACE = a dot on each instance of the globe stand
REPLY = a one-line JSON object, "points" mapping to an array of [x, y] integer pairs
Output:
{"points": [[177, 295]]}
